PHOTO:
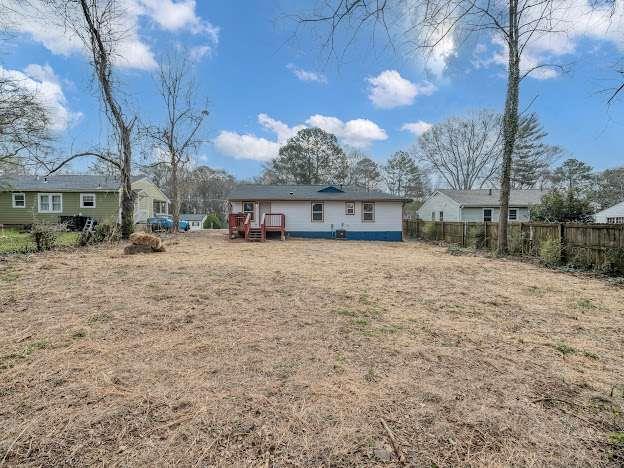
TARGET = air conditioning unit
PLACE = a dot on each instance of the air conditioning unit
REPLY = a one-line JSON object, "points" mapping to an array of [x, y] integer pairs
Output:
{"points": [[341, 233]]}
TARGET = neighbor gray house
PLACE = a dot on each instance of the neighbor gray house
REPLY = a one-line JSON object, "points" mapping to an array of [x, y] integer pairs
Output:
{"points": [[612, 215], [477, 205]]}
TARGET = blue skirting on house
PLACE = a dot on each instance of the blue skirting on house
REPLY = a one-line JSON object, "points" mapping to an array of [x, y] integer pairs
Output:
{"points": [[392, 236]]}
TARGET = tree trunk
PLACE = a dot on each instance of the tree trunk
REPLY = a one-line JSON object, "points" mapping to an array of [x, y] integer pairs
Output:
{"points": [[510, 125], [126, 195], [175, 195]]}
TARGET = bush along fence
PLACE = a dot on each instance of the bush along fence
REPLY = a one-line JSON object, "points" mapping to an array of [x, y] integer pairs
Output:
{"points": [[585, 246]]}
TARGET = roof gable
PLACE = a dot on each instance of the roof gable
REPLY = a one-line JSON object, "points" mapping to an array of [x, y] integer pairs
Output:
{"points": [[331, 189]]}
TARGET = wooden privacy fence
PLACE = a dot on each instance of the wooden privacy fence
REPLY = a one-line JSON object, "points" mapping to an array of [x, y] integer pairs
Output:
{"points": [[585, 244]]}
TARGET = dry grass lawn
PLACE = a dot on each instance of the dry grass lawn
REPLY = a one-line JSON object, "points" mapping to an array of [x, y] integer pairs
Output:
{"points": [[291, 353]]}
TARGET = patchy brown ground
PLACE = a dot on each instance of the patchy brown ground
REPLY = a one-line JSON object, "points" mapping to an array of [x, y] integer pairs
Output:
{"points": [[291, 353]]}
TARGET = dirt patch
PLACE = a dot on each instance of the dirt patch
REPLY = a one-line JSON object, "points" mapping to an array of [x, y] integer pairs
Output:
{"points": [[291, 353]]}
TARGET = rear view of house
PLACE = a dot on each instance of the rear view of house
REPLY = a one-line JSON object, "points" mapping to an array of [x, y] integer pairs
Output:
{"points": [[28, 199], [316, 211], [477, 205]]}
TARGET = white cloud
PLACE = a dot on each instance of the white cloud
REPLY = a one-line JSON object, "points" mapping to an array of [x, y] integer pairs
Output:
{"points": [[41, 23], [305, 75], [45, 85], [199, 52], [246, 146], [389, 89], [359, 133], [416, 128], [283, 131]]}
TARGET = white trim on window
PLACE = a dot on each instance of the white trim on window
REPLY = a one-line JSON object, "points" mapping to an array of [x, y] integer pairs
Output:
{"points": [[515, 217], [82, 197], [50, 202], [369, 211], [350, 208], [15, 205], [316, 212]]}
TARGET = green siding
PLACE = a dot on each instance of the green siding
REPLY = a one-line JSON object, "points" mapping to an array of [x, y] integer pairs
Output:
{"points": [[107, 206]]}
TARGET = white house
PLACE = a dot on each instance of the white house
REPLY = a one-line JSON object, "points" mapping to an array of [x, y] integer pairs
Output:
{"points": [[477, 205], [612, 215], [317, 211], [196, 221]]}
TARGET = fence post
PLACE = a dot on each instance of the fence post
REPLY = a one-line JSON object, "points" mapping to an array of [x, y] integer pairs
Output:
{"points": [[562, 241], [443, 238], [486, 237], [464, 235]]}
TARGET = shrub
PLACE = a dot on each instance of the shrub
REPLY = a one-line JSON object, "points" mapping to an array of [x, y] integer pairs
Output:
{"points": [[613, 264], [550, 252], [213, 222], [44, 235], [102, 232]]}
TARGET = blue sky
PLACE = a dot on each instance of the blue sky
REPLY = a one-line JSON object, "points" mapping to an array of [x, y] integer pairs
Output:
{"points": [[263, 84]]}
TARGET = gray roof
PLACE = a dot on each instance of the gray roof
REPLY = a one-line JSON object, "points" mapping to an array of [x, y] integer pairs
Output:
{"points": [[308, 192], [192, 217], [63, 183], [487, 197]]}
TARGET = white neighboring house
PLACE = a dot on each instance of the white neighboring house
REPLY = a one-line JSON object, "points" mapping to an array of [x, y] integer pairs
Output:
{"points": [[318, 211], [196, 221], [477, 205], [612, 215]]}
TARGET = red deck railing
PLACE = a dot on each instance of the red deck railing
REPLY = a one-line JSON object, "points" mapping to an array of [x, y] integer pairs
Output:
{"points": [[239, 224]]}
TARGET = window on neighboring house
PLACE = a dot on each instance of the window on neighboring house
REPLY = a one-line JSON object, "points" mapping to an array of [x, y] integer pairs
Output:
{"points": [[368, 212], [487, 214], [248, 207], [318, 209], [433, 216], [19, 200], [441, 215], [616, 220], [513, 214], [50, 202], [350, 208], [160, 207], [87, 200]]}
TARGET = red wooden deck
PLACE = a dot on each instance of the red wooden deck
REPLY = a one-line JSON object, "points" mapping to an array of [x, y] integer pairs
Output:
{"points": [[239, 225]]}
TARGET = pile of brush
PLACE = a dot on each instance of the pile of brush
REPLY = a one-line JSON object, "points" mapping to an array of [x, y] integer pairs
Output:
{"points": [[142, 242]]}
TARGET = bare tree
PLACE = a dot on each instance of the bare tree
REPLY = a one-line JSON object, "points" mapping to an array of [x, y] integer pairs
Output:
{"points": [[404, 178], [96, 22], [464, 151], [177, 137], [426, 24], [24, 124]]}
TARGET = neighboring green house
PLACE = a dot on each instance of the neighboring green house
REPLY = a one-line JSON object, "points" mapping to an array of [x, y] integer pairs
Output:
{"points": [[26, 199]]}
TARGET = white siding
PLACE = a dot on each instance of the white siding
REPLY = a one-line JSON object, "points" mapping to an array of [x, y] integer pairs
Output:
{"points": [[616, 211], [476, 214], [388, 216], [436, 203]]}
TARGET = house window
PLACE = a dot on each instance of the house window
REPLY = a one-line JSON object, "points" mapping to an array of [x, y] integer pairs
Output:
{"points": [[350, 208], [513, 214], [19, 200], [87, 200], [160, 207], [433, 216], [441, 215], [487, 214], [248, 207], [368, 212], [616, 220], [50, 202], [318, 209]]}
